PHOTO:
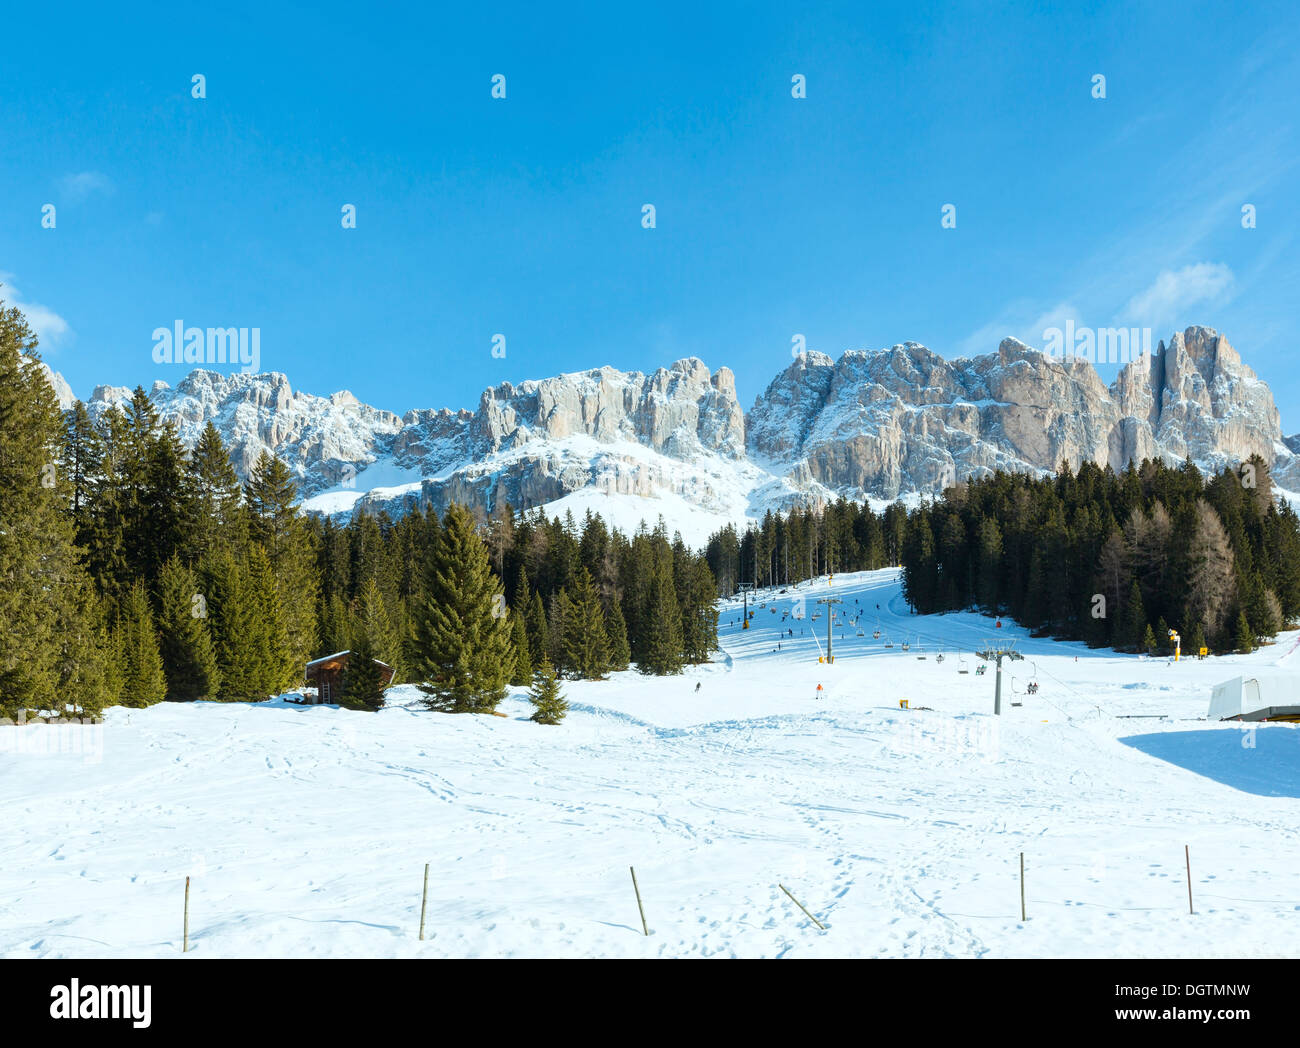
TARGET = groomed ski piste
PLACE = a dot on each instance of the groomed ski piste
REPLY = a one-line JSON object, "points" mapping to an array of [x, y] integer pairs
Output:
{"points": [[305, 830]]}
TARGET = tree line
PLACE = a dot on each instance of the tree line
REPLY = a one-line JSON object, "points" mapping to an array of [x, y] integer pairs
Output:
{"points": [[1114, 559], [136, 570], [807, 542]]}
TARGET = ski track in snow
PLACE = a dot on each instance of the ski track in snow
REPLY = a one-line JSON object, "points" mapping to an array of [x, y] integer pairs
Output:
{"points": [[306, 830]]}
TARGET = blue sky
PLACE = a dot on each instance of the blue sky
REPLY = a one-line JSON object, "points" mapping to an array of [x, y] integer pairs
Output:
{"points": [[775, 216]]}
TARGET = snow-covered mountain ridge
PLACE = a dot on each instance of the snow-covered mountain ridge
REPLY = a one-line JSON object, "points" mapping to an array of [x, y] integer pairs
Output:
{"points": [[873, 424]]}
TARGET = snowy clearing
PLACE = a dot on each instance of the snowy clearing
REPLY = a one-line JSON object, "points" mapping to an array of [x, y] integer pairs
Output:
{"points": [[306, 829]]}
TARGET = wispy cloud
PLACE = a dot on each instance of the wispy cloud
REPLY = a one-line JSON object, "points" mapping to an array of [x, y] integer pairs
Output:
{"points": [[1025, 320], [51, 329], [1203, 185], [83, 184], [1166, 303]]}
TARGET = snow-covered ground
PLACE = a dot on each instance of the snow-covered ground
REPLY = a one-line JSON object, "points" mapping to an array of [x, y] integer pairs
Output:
{"points": [[306, 830]]}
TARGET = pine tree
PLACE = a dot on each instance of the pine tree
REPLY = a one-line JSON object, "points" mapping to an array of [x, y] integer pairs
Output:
{"points": [[274, 524], [376, 625], [1245, 637], [620, 654], [1211, 580], [462, 644], [663, 640], [1161, 634], [214, 487], [539, 637], [189, 660], [278, 665], [699, 616], [48, 621], [1198, 639], [523, 670], [335, 627], [235, 622], [143, 682], [363, 679], [549, 705], [586, 646], [1149, 640], [1135, 619]]}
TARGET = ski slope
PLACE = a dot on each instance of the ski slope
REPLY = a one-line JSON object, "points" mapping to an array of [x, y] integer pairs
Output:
{"points": [[306, 830]]}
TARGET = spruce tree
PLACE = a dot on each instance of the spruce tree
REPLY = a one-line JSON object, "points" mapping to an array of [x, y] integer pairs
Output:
{"points": [[143, 681], [363, 679], [523, 669], [557, 615], [278, 664], [539, 637], [549, 705], [1245, 637], [376, 625], [663, 625], [620, 654], [48, 620], [699, 616], [235, 622], [1198, 640], [1135, 619], [275, 524], [462, 644], [189, 659], [1149, 640], [586, 645], [214, 488]]}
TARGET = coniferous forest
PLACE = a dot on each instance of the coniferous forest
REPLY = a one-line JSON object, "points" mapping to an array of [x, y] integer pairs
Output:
{"points": [[1113, 559], [135, 570]]}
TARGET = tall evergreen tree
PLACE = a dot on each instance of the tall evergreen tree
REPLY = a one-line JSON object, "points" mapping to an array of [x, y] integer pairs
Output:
{"points": [[586, 646], [663, 636], [214, 487], [523, 668], [236, 626], [275, 525], [143, 681], [620, 654], [189, 659], [363, 678], [48, 625], [699, 615], [1245, 637], [462, 644]]}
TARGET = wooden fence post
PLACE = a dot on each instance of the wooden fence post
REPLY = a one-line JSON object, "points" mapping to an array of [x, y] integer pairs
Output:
{"points": [[424, 900], [802, 907], [1022, 887], [641, 908]]}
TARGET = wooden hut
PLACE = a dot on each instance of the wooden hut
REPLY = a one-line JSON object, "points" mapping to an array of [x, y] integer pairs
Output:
{"points": [[326, 675]]}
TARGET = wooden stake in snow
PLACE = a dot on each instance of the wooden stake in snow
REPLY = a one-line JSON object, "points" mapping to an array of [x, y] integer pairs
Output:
{"points": [[185, 942], [1187, 854], [802, 907], [424, 900], [641, 908], [1022, 887]]}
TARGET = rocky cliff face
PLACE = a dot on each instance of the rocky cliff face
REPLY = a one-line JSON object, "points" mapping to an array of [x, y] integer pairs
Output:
{"points": [[904, 419], [872, 423]]}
